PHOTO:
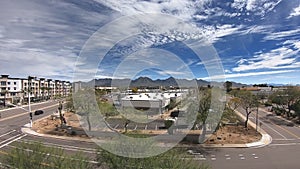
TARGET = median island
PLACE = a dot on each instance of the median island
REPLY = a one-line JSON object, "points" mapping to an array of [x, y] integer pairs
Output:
{"points": [[228, 133]]}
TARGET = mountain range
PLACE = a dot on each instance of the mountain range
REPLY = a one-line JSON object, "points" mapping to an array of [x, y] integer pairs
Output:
{"points": [[148, 82]]}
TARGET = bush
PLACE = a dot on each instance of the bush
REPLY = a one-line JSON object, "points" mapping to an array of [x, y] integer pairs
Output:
{"points": [[38, 156], [172, 159]]}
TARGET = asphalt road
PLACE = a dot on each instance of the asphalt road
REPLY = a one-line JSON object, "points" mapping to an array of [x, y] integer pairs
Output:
{"points": [[283, 152]]}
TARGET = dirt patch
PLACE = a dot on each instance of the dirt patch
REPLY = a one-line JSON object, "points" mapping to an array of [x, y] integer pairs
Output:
{"points": [[234, 135], [225, 135]]}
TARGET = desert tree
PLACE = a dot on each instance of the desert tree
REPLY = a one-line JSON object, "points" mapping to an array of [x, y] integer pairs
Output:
{"points": [[248, 102]]}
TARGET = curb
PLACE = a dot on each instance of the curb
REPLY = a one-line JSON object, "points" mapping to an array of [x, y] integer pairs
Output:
{"points": [[27, 130], [265, 140]]}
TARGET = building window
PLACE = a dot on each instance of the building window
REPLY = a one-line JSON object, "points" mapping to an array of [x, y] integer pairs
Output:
{"points": [[15, 83], [15, 88], [13, 94], [8, 88], [8, 83], [3, 83]]}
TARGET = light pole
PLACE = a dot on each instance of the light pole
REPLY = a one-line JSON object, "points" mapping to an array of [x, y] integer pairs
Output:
{"points": [[256, 118], [29, 107]]}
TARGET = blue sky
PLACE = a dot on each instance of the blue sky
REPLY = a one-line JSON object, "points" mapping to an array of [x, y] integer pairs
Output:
{"points": [[254, 41]]}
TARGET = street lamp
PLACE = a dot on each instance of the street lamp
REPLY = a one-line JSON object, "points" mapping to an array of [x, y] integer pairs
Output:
{"points": [[29, 107]]}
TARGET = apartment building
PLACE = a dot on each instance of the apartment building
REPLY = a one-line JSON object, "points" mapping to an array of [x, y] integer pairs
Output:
{"points": [[18, 90]]}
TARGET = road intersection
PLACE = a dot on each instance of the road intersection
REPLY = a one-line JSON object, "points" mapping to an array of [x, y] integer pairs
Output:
{"points": [[283, 152]]}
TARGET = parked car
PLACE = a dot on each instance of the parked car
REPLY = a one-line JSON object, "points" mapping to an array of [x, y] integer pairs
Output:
{"points": [[38, 112]]}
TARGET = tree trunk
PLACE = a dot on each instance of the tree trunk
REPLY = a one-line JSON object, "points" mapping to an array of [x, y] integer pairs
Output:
{"points": [[202, 136], [247, 118], [88, 121]]}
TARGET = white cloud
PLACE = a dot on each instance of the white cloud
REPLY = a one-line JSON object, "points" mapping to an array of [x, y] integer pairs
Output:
{"points": [[258, 7], [282, 34], [293, 43], [280, 58], [183, 9], [238, 75], [295, 12], [37, 63]]}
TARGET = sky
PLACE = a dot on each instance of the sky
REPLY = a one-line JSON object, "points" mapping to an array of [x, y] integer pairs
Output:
{"points": [[246, 41]]}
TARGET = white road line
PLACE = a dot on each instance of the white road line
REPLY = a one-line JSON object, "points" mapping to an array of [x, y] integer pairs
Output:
{"points": [[284, 139], [10, 138], [7, 133], [116, 126], [13, 141], [59, 145], [64, 157], [285, 144], [135, 127], [70, 149], [18, 115], [273, 130]]}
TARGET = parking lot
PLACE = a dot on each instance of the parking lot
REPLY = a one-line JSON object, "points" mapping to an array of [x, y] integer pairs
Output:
{"points": [[120, 124]]}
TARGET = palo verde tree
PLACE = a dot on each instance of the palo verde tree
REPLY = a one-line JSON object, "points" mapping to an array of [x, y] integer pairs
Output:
{"points": [[228, 86], [285, 99], [202, 108], [248, 103], [296, 108], [85, 104]]}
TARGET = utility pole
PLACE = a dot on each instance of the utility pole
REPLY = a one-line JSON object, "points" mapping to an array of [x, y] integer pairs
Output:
{"points": [[256, 118], [29, 107]]}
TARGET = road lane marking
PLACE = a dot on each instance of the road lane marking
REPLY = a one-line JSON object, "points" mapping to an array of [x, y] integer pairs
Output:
{"points": [[60, 145], [291, 133], [116, 126], [7, 133], [18, 138], [10, 138], [284, 139], [285, 144], [273, 129], [18, 115]]}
